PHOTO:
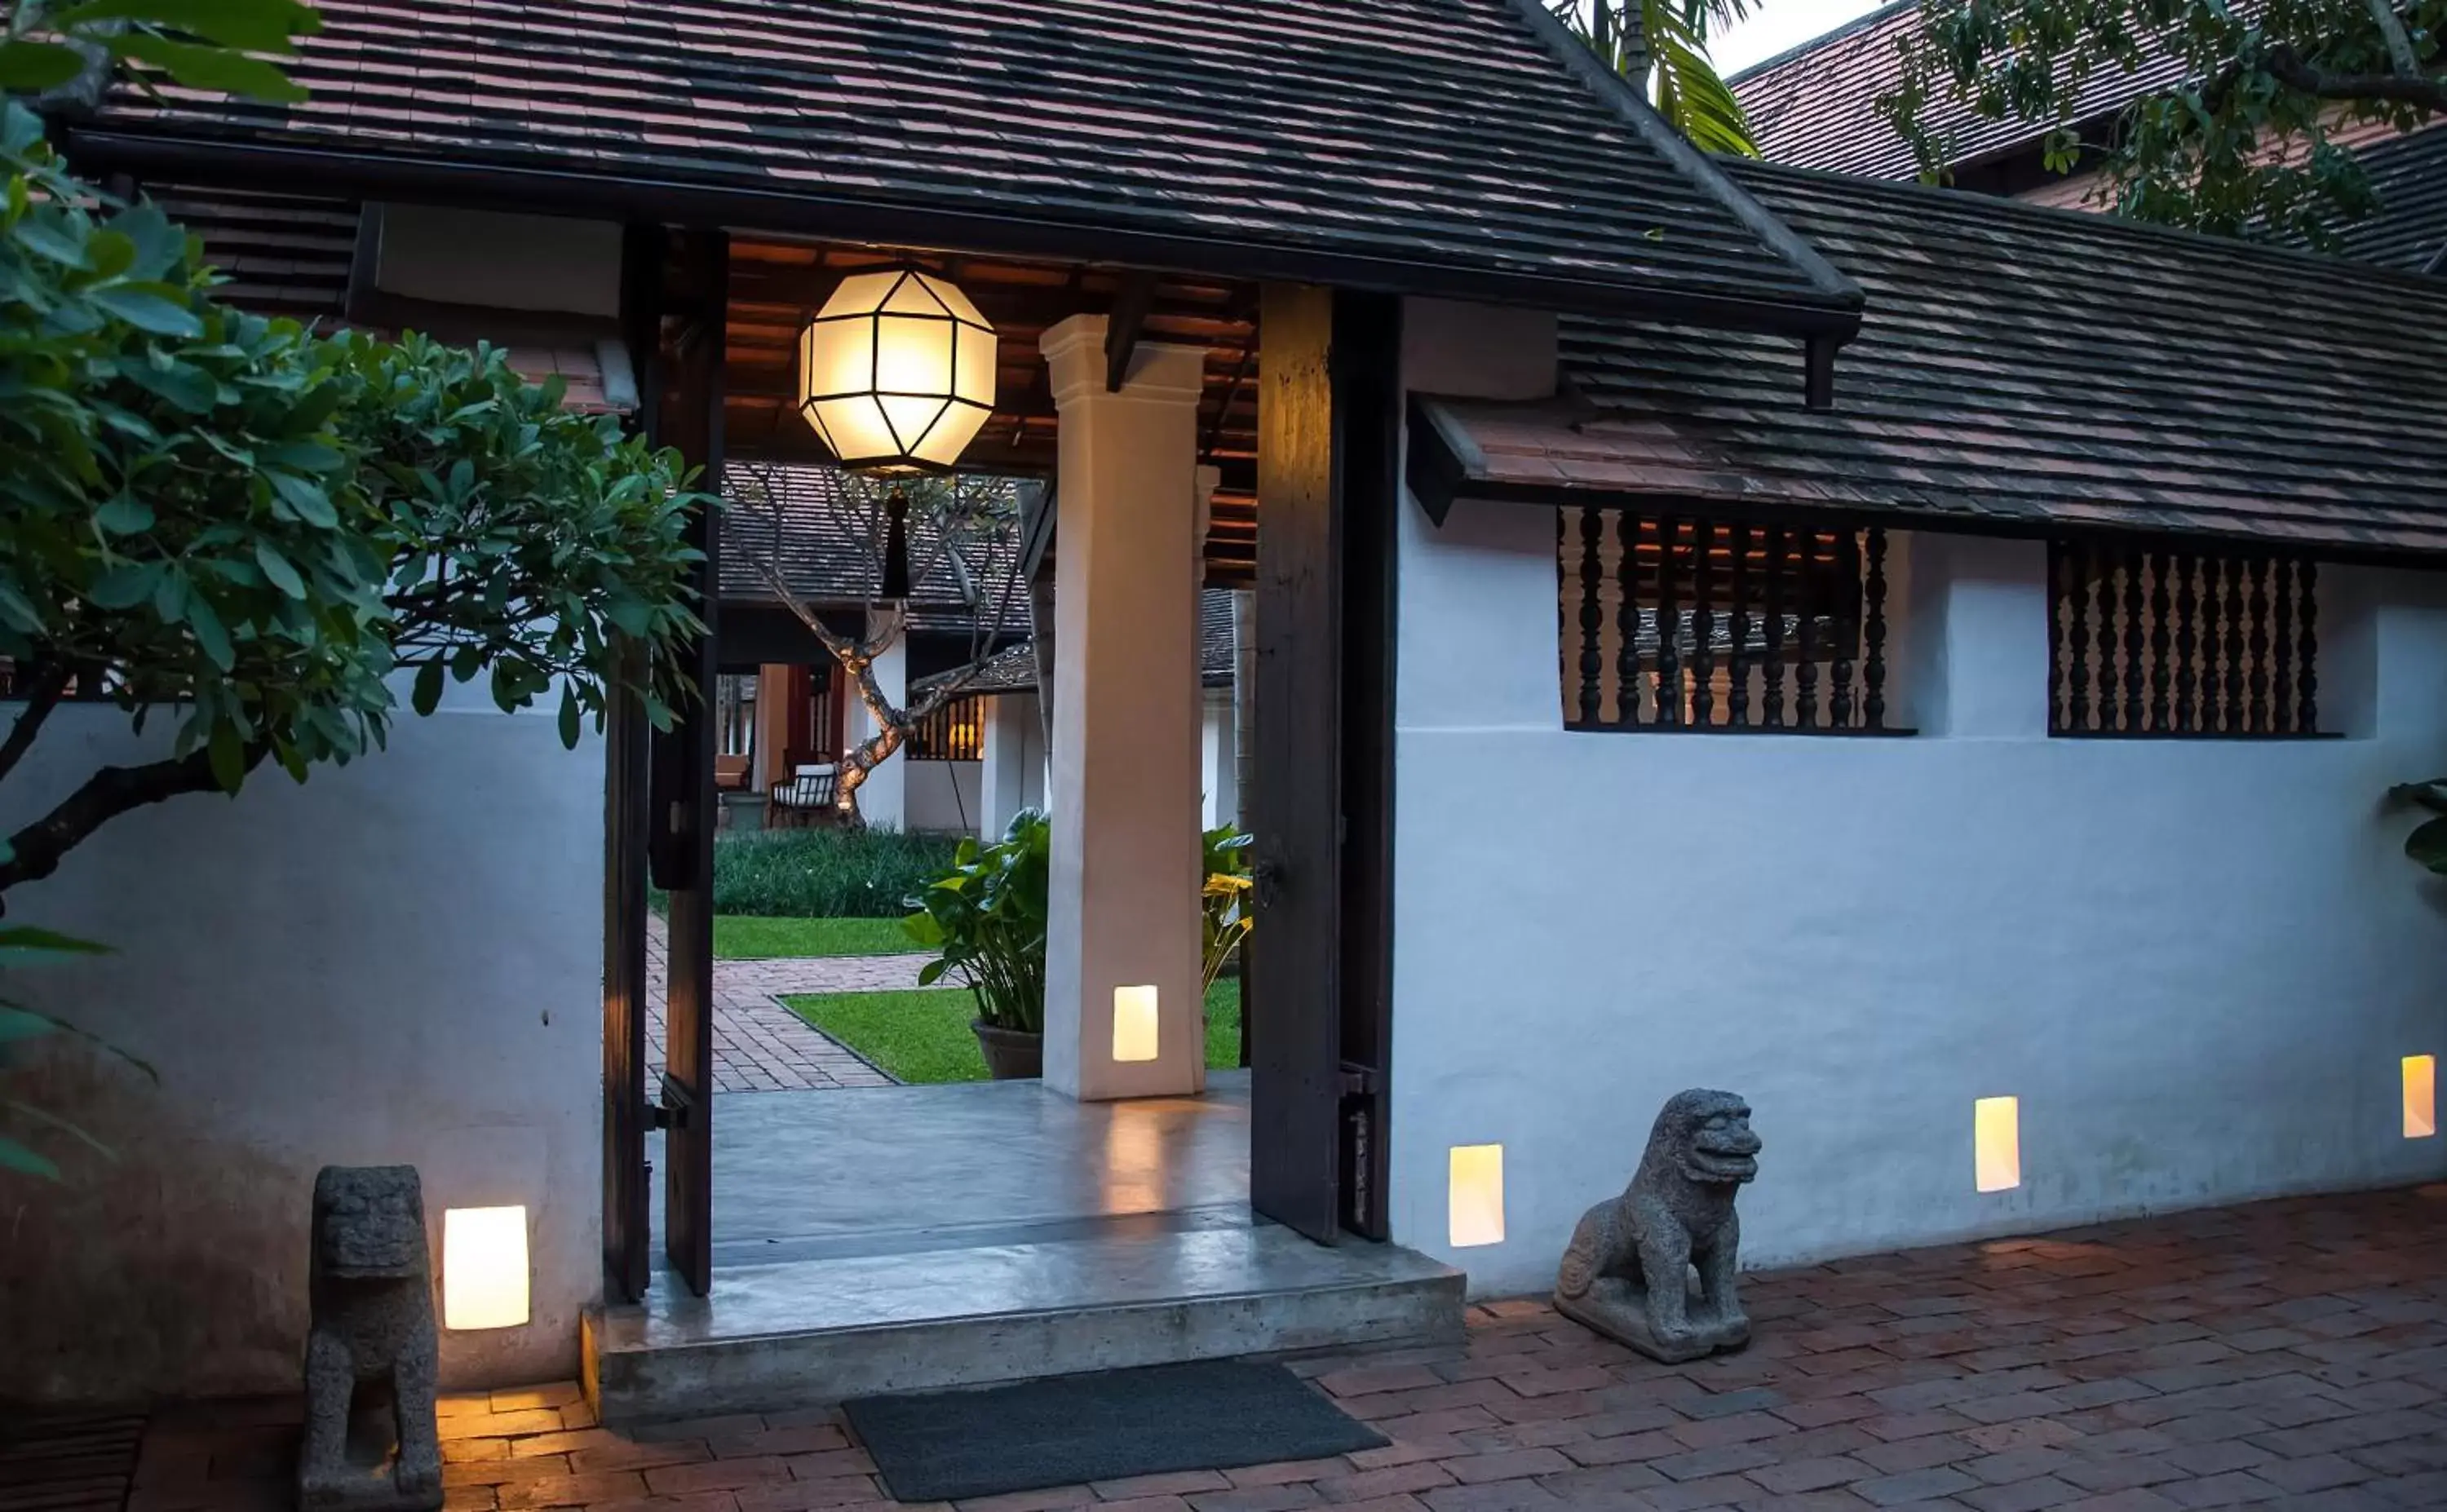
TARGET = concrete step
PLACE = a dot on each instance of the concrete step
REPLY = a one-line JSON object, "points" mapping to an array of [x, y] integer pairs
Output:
{"points": [[834, 1327]]}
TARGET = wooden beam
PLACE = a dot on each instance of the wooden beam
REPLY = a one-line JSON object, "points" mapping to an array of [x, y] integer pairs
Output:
{"points": [[1131, 303], [1293, 976], [691, 417], [1367, 371]]}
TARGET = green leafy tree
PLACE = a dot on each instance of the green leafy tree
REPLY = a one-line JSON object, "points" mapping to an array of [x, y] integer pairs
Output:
{"points": [[2244, 141], [256, 533], [1661, 46], [250, 529], [72, 50]]}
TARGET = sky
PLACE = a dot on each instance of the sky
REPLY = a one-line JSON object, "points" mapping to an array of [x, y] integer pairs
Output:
{"points": [[1774, 25]]}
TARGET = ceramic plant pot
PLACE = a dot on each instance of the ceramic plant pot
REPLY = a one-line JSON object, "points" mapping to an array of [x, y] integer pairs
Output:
{"points": [[1012, 1054]]}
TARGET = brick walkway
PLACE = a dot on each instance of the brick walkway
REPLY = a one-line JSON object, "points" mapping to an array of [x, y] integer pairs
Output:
{"points": [[2289, 1353], [759, 1046]]}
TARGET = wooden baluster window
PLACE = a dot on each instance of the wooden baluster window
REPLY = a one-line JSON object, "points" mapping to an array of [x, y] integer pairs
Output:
{"points": [[2150, 640], [1697, 624]]}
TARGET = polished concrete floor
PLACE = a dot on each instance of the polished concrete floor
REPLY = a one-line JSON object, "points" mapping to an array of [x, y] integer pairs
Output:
{"points": [[909, 1170], [914, 1238]]}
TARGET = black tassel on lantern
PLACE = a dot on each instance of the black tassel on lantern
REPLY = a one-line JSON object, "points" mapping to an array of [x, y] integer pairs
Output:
{"points": [[896, 547]]}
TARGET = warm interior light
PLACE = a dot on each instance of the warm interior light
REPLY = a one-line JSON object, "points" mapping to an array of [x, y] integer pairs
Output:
{"points": [[2420, 1096], [1475, 1196], [483, 1267], [1997, 1139], [897, 372], [1134, 1024]]}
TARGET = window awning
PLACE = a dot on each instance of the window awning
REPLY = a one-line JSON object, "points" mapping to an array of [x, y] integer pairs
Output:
{"points": [[2018, 369]]}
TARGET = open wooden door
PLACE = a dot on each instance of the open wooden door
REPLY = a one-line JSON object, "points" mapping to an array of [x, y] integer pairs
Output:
{"points": [[1319, 977], [687, 411], [626, 1112]]}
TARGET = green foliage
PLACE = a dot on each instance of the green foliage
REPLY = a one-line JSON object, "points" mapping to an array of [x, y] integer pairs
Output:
{"points": [[923, 1037], [257, 526], [1225, 919], [23, 946], [833, 873], [986, 917], [1681, 80], [2243, 143], [2428, 841], [743, 937], [52, 44]]}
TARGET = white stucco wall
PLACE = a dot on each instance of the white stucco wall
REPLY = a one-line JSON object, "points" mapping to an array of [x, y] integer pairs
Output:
{"points": [[2197, 964], [400, 961], [1217, 752], [942, 797]]}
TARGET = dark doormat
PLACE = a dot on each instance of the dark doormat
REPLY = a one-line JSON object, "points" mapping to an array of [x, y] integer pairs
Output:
{"points": [[1214, 1415]]}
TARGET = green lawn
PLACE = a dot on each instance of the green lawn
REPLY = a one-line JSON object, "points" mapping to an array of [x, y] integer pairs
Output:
{"points": [[924, 1037], [740, 937]]}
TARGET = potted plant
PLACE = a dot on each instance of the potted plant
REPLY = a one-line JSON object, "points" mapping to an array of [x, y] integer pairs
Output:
{"points": [[986, 920]]}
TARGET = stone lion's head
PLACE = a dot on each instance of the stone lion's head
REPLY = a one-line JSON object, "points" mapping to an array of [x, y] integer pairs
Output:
{"points": [[1710, 1135], [369, 1222]]}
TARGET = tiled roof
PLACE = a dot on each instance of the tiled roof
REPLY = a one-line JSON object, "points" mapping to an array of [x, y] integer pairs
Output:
{"points": [[1816, 107], [827, 556], [1458, 146], [2019, 369], [1013, 670], [2409, 230], [283, 254], [289, 254]]}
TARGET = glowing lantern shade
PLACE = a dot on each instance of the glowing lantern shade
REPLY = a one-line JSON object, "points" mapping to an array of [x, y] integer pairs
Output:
{"points": [[1997, 1144], [483, 1268], [1135, 1024], [1475, 1196], [897, 372], [2420, 1097]]}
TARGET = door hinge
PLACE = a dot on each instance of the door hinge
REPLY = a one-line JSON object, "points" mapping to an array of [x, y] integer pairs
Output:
{"points": [[1360, 1081], [673, 1111]]}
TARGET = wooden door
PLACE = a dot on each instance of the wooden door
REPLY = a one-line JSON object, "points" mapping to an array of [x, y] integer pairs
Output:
{"points": [[626, 1114], [1318, 980], [689, 415]]}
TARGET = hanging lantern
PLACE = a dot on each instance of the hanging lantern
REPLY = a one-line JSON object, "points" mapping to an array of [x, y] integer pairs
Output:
{"points": [[897, 372], [896, 548]]}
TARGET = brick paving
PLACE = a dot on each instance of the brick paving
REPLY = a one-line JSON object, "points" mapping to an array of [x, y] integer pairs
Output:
{"points": [[2287, 1355], [759, 1046]]}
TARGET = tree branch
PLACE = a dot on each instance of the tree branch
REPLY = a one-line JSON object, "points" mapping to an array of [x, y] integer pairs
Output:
{"points": [[35, 851], [2399, 45], [2427, 92], [51, 685]]}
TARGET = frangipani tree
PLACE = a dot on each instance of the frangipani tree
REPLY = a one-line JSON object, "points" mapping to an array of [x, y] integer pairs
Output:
{"points": [[961, 537]]}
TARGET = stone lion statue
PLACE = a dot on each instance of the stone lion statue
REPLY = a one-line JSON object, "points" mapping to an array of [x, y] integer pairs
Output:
{"points": [[1627, 1272], [371, 1441]]}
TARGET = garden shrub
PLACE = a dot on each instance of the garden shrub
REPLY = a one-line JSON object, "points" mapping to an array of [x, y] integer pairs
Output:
{"points": [[826, 873]]}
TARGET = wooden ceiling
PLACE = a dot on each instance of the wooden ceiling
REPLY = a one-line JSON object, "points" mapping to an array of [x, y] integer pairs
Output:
{"points": [[777, 286]]}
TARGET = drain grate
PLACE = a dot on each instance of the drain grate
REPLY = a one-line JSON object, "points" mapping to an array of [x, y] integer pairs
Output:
{"points": [[62, 1463]]}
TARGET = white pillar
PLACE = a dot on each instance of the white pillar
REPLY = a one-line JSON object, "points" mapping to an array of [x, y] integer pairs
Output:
{"points": [[1012, 737], [1124, 790], [883, 798], [1220, 758]]}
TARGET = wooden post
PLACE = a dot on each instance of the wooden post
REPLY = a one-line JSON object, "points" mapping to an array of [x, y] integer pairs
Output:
{"points": [[1319, 989], [691, 419]]}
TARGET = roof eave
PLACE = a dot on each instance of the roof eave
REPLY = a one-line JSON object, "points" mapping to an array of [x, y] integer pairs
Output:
{"points": [[1627, 102], [1832, 312], [1446, 466]]}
